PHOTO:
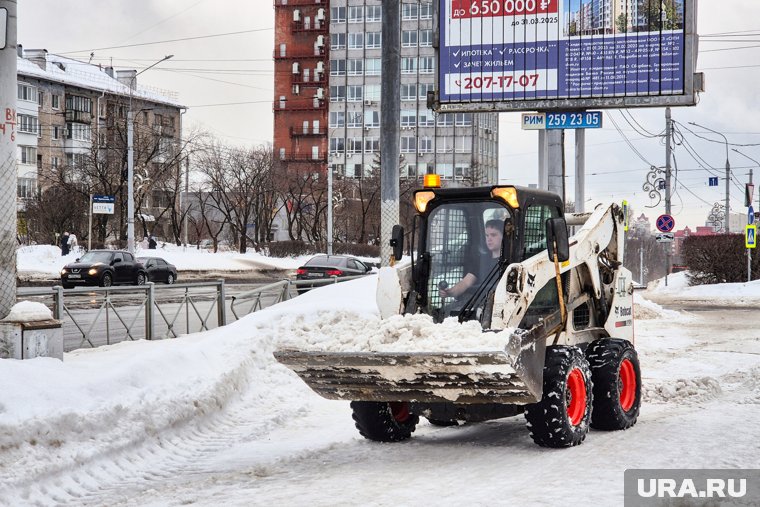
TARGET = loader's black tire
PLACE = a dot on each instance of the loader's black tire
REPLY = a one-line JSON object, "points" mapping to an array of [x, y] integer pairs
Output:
{"points": [[561, 418], [384, 421], [616, 375]]}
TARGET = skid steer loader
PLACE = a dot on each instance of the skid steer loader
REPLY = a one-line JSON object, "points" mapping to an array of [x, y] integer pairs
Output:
{"points": [[566, 305]]}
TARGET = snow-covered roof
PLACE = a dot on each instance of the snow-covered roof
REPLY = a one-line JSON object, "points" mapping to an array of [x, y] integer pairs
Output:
{"points": [[72, 72]]}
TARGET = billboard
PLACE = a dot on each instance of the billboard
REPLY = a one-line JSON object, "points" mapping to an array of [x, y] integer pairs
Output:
{"points": [[512, 55]]}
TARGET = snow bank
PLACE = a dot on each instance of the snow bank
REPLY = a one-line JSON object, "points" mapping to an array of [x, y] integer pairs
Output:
{"points": [[645, 309], [695, 390]]}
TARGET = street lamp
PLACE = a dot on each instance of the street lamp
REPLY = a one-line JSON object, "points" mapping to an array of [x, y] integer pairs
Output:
{"points": [[728, 172], [131, 162]]}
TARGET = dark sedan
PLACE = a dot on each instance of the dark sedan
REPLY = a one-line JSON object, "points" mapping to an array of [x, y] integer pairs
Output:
{"points": [[159, 270], [104, 268], [327, 266]]}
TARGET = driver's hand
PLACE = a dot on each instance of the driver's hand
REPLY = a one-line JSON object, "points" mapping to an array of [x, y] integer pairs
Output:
{"points": [[444, 293]]}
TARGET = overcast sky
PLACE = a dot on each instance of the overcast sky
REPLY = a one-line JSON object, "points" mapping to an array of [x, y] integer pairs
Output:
{"points": [[238, 69]]}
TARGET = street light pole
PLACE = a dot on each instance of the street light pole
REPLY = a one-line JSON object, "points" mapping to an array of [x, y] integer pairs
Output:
{"points": [[751, 199], [728, 172], [131, 162]]}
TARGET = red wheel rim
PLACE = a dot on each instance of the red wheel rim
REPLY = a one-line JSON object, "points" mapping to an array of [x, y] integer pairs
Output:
{"points": [[399, 410], [576, 393], [627, 385]]}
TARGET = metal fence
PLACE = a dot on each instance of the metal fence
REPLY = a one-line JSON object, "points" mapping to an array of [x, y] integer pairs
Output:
{"points": [[90, 317], [277, 292]]}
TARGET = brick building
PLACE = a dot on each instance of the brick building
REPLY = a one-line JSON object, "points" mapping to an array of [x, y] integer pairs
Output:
{"points": [[327, 95]]}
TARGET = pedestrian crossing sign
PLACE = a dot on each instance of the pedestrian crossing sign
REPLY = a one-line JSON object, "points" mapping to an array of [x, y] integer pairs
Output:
{"points": [[750, 236]]}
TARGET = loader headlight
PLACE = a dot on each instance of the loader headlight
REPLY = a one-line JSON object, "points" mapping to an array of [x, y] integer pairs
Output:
{"points": [[506, 194], [422, 198]]}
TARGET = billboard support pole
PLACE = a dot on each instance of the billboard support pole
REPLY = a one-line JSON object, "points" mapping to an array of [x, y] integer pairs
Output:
{"points": [[543, 172], [580, 170], [555, 151], [89, 228]]}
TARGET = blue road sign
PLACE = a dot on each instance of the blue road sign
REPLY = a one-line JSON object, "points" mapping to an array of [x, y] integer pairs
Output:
{"points": [[750, 236], [582, 120], [750, 216], [665, 223], [713, 181]]}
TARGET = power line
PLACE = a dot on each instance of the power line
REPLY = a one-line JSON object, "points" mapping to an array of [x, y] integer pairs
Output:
{"points": [[168, 41]]}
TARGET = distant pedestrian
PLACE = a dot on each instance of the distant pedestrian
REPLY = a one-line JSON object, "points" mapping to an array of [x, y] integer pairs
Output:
{"points": [[152, 243], [65, 243], [73, 244]]}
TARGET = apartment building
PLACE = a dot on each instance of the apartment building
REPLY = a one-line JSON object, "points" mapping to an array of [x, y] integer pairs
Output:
{"points": [[328, 75], [70, 112]]}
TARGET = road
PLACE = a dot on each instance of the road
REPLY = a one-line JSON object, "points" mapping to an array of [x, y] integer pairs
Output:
{"points": [[277, 443]]}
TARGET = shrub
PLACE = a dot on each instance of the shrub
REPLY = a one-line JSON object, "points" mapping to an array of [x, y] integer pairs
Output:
{"points": [[297, 248], [718, 259]]}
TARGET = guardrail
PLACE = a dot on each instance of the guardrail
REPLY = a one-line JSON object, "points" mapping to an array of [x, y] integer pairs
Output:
{"points": [[119, 324], [278, 292]]}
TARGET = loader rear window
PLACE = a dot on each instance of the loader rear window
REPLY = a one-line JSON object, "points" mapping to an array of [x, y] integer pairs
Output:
{"points": [[535, 228]]}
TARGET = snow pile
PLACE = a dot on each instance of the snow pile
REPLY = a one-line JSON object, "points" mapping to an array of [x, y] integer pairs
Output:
{"points": [[29, 311], [645, 309], [694, 390], [407, 333], [676, 282]]}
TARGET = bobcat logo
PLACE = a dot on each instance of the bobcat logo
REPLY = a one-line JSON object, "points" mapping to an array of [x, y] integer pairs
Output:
{"points": [[622, 311], [532, 280]]}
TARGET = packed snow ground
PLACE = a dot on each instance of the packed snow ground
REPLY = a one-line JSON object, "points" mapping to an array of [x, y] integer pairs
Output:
{"points": [[211, 418]]}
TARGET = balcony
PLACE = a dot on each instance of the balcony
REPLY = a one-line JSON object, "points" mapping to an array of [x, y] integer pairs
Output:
{"points": [[309, 132], [320, 26], [319, 52], [314, 104], [299, 80], [304, 158], [163, 130], [298, 3], [78, 116]]}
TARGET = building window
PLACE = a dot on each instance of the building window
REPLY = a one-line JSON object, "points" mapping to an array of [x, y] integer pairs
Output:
{"points": [[426, 10], [463, 120], [56, 132], [354, 145], [26, 188], [374, 13], [28, 154], [371, 119], [446, 120], [337, 67], [337, 93], [27, 92], [426, 145], [28, 124], [338, 41], [408, 91], [372, 66], [282, 101], [373, 40], [79, 132], [463, 144], [372, 92], [77, 103], [55, 101], [282, 153], [40, 98], [427, 65], [355, 40], [424, 89], [426, 38], [371, 145], [445, 170], [55, 162], [338, 169], [337, 119], [355, 119], [408, 118], [337, 145], [444, 145], [409, 38], [356, 14], [355, 67], [75, 160], [425, 118], [355, 93], [409, 12], [408, 65], [338, 14], [408, 144]]}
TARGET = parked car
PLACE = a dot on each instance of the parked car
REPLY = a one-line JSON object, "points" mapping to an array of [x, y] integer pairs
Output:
{"points": [[159, 270], [104, 268], [326, 266]]}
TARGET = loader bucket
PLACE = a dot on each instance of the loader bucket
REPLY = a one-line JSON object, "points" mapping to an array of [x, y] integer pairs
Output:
{"points": [[513, 375]]}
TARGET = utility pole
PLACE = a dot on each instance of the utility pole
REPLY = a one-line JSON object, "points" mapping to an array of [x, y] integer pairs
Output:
{"points": [[749, 250], [187, 194], [390, 109], [728, 174], [668, 155], [8, 170]]}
